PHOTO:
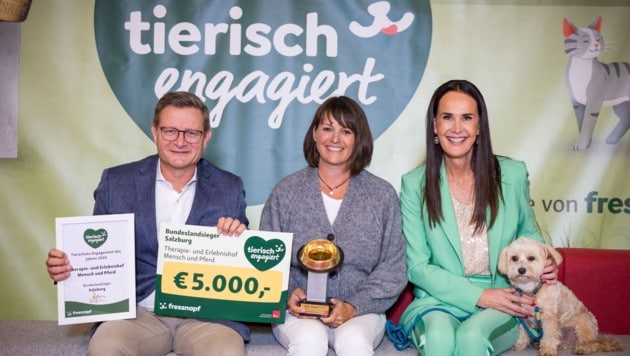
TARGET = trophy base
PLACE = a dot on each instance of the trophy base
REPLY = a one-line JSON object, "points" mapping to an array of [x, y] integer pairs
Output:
{"points": [[316, 309]]}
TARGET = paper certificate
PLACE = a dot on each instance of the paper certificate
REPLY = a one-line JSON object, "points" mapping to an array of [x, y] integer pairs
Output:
{"points": [[101, 286], [204, 275]]}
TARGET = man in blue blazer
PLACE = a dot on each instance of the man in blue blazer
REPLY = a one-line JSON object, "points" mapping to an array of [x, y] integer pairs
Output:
{"points": [[176, 186]]}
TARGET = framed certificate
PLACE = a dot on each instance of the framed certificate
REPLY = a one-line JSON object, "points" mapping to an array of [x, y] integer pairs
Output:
{"points": [[101, 286], [205, 275]]}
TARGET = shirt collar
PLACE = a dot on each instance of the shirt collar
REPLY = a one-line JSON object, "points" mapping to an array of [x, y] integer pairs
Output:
{"points": [[160, 178]]}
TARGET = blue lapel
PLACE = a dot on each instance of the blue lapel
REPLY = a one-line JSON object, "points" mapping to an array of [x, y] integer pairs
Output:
{"points": [[145, 218], [202, 195]]}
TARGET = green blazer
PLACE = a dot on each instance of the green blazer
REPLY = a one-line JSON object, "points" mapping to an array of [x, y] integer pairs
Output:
{"points": [[434, 255]]}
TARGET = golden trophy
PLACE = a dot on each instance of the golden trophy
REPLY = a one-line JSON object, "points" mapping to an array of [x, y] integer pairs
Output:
{"points": [[319, 257]]}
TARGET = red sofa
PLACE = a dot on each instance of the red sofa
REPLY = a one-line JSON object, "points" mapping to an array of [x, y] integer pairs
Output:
{"points": [[600, 278]]}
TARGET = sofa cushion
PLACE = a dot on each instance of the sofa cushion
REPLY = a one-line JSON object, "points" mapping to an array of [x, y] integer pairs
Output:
{"points": [[600, 278]]}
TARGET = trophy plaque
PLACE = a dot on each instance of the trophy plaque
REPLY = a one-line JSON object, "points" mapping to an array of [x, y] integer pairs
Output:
{"points": [[318, 257]]}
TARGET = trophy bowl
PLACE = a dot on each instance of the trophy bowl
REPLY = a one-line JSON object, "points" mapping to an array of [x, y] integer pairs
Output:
{"points": [[320, 255]]}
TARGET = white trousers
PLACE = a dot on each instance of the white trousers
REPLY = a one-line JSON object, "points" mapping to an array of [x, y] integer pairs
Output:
{"points": [[310, 337]]}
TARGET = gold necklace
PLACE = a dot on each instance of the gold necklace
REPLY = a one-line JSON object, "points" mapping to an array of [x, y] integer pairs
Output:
{"points": [[331, 189]]}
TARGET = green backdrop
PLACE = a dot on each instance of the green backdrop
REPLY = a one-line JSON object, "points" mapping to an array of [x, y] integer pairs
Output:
{"points": [[71, 127]]}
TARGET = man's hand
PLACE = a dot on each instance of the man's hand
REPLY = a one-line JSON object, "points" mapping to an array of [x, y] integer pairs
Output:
{"points": [[230, 226], [58, 265]]}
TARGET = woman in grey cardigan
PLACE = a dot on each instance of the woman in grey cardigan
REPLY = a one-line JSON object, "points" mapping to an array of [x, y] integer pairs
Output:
{"points": [[336, 198]]}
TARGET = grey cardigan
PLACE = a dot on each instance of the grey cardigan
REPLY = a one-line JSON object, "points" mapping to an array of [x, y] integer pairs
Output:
{"points": [[367, 228]]}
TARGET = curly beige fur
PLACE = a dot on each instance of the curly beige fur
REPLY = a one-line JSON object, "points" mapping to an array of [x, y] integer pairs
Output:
{"points": [[523, 262]]}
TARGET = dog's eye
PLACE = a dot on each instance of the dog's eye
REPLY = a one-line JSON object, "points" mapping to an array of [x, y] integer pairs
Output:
{"points": [[531, 258], [514, 258]]}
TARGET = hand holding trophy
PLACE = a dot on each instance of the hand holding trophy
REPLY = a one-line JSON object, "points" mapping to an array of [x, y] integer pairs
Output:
{"points": [[319, 257]]}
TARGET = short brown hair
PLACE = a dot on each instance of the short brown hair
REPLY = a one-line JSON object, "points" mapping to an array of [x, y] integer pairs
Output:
{"points": [[349, 115], [182, 99]]}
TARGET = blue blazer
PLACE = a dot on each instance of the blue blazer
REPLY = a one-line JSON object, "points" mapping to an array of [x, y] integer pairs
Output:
{"points": [[130, 188]]}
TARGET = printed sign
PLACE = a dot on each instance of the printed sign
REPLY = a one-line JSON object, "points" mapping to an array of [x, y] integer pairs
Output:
{"points": [[263, 68], [102, 285], [202, 274]]}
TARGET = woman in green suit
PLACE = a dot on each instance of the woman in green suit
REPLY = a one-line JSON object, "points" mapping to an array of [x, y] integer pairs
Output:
{"points": [[459, 210]]}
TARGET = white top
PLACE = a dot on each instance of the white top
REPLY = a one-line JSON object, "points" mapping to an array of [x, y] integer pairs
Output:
{"points": [[170, 207], [332, 207], [474, 246]]}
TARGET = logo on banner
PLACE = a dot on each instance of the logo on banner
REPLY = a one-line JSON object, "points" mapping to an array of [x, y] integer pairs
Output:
{"points": [[263, 68]]}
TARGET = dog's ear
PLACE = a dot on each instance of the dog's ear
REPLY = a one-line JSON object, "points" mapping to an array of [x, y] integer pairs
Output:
{"points": [[503, 261], [553, 253]]}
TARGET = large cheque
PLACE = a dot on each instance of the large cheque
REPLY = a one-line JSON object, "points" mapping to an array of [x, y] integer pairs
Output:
{"points": [[202, 274]]}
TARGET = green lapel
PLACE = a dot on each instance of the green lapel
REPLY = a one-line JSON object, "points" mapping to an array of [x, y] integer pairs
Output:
{"points": [[449, 227]]}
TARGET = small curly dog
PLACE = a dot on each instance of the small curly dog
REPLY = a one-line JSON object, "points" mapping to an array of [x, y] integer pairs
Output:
{"points": [[558, 308]]}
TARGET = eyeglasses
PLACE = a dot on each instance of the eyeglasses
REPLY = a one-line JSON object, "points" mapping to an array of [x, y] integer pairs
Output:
{"points": [[171, 134]]}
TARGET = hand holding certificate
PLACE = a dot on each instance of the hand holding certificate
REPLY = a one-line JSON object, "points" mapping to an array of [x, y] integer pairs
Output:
{"points": [[102, 283]]}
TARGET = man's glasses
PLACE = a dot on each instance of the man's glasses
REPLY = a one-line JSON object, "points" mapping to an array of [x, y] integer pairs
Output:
{"points": [[171, 134]]}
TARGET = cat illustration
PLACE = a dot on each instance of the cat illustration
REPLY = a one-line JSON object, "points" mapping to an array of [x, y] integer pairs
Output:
{"points": [[593, 84]]}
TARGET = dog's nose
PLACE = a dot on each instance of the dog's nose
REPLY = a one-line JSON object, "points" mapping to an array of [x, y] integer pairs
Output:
{"points": [[522, 270]]}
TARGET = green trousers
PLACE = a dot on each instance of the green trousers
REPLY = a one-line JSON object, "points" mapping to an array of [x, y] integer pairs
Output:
{"points": [[486, 332]]}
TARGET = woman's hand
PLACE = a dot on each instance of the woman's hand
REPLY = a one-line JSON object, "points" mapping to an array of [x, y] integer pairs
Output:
{"points": [[504, 299], [297, 297], [550, 273], [58, 265], [341, 312]]}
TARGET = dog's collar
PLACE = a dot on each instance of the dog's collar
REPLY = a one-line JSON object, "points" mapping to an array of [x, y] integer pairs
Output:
{"points": [[537, 333], [533, 292]]}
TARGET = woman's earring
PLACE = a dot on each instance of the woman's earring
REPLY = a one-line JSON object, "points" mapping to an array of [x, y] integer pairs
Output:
{"points": [[436, 140]]}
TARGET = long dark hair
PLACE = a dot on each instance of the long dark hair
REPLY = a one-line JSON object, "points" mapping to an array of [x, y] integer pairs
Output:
{"points": [[485, 165], [349, 115]]}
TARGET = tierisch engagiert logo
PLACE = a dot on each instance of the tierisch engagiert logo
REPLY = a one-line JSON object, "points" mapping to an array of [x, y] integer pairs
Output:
{"points": [[95, 238], [262, 254], [263, 67]]}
